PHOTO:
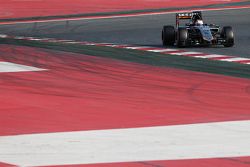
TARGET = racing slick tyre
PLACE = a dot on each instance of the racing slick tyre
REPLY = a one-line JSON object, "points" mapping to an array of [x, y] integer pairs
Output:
{"points": [[168, 35], [228, 35], [182, 37]]}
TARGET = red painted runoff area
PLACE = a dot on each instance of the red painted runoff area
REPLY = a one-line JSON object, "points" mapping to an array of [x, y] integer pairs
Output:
{"points": [[80, 92], [31, 8], [6, 165], [225, 162]]}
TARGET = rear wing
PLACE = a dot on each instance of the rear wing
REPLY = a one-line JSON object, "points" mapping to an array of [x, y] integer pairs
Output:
{"points": [[186, 15]]}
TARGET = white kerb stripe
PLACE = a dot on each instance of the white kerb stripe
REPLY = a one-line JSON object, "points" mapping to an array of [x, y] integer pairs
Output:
{"points": [[73, 42], [42, 39], [12, 67], [113, 45], [64, 40], [163, 50], [3, 36], [106, 44], [91, 44], [235, 59], [187, 53], [109, 44], [211, 56], [193, 141], [20, 37], [137, 47], [35, 39]]}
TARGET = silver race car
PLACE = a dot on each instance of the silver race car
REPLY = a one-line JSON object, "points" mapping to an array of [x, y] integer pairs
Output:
{"points": [[196, 32]]}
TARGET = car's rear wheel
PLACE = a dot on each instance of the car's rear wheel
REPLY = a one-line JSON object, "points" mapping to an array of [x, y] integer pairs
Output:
{"points": [[168, 35], [228, 35], [182, 37]]}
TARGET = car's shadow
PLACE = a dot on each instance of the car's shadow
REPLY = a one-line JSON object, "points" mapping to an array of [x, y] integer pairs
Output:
{"points": [[188, 47]]}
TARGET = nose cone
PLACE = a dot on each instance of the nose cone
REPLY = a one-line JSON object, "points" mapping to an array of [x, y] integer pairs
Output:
{"points": [[208, 38], [206, 33]]}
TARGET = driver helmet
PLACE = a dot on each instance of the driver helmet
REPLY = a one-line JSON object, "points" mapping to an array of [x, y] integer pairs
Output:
{"points": [[199, 22], [196, 19]]}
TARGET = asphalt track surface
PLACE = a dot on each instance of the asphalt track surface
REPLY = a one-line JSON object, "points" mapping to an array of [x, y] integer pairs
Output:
{"points": [[143, 30]]}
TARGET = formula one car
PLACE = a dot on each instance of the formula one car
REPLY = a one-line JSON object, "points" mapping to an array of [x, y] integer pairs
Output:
{"points": [[196, 32]]}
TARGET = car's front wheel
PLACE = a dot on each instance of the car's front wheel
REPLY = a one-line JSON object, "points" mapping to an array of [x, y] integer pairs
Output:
{"points": [[182, 37], [228, 35]]}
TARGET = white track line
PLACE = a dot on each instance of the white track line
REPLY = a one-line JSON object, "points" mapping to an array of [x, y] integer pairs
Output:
{"points": [[12, 67], [193, 141]]}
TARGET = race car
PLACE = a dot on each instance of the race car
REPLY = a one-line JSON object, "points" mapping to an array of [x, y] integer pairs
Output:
{"points": [[195, 32]]}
